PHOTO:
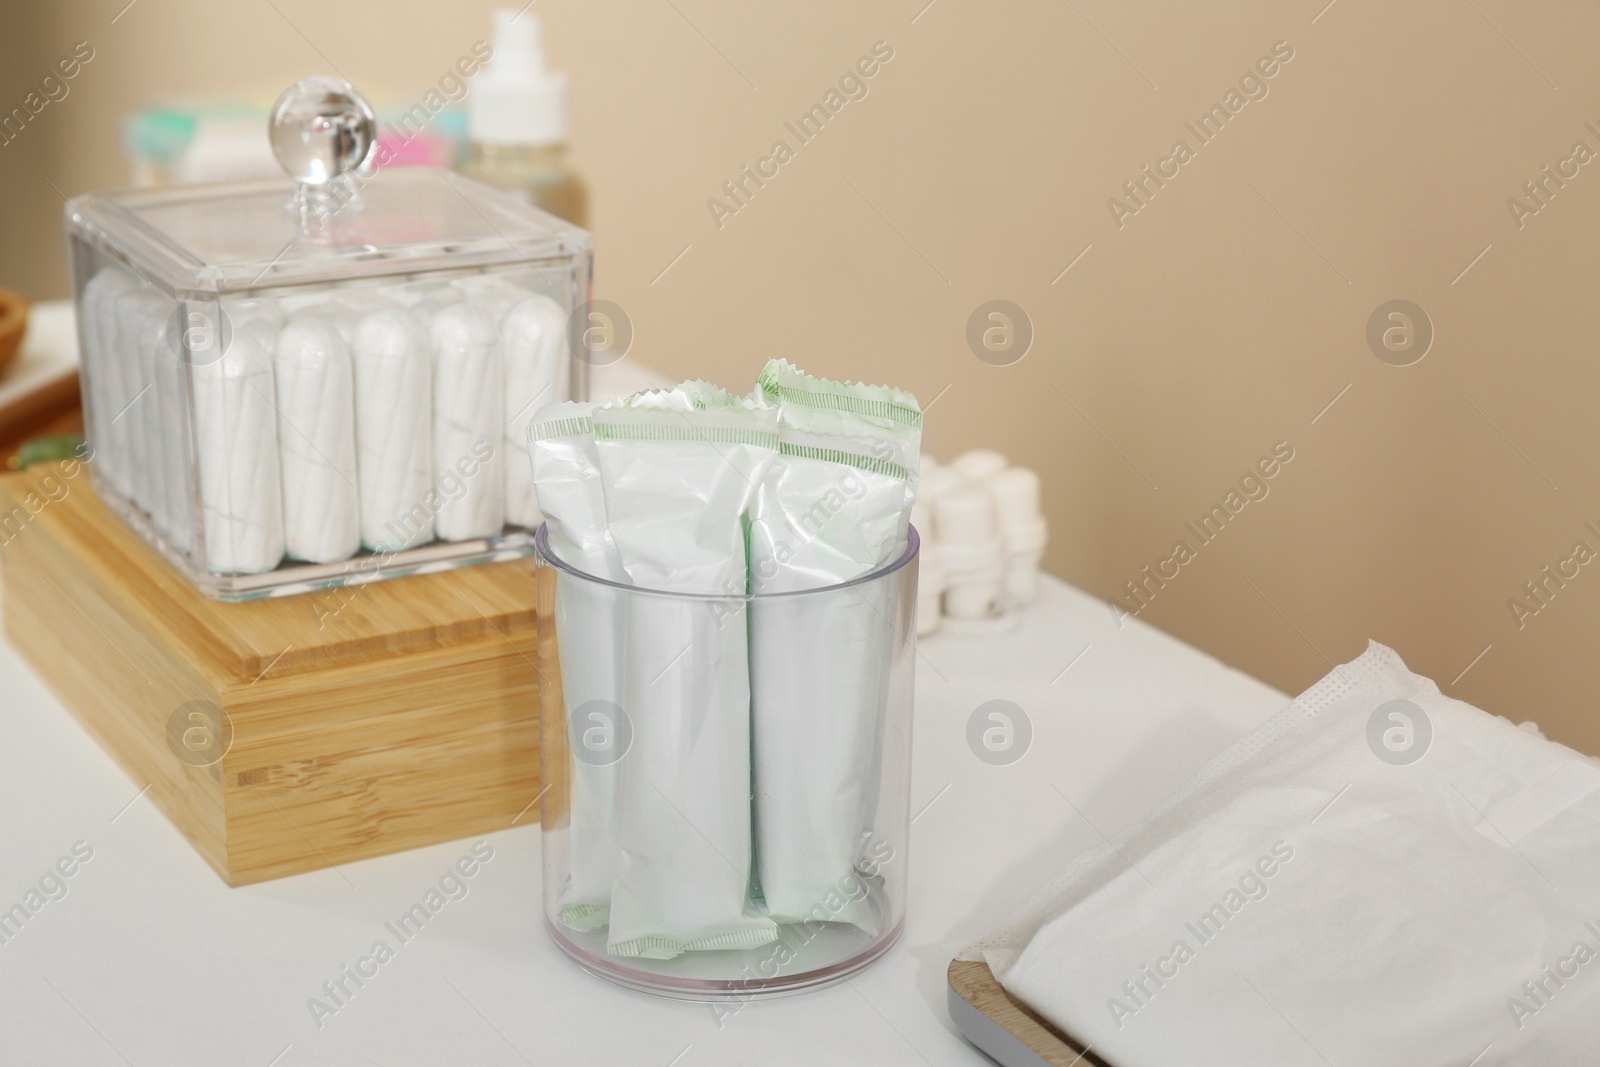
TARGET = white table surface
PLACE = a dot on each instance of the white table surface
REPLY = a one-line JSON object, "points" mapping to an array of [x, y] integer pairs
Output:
{"points": [[151, 961]]}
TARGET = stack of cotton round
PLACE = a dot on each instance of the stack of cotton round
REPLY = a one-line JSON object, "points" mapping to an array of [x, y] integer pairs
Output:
{"points": [[394, 430], [935, 481], [236, 448], [1024, 530], [468, 424], [979, 465], [533, 334], [973, 552], [317, 441], [933, 576]]}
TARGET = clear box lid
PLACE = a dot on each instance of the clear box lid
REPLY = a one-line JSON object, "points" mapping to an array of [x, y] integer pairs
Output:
{"points": [[332, 219]]}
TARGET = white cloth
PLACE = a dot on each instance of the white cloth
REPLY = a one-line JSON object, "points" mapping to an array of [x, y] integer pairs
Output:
{"points": [[1313, 898]]}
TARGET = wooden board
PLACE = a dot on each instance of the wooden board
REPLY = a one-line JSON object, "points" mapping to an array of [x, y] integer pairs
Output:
{"points": [[1009, 1031], [364, 720], [39, 392]]}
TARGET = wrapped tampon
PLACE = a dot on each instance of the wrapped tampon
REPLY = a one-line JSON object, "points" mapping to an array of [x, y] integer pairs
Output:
{"points": [[468, 423], [676, 485], [833, 508], [236, 448], [317, 441], [394, 430], [105, 400], [591, 619], [534, 339]]}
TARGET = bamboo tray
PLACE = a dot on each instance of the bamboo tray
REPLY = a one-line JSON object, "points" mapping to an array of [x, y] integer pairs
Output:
{"points": [[363, 720], [1006, 1029]]}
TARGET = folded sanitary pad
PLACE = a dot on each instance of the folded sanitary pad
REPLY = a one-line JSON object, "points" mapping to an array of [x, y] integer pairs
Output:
{"points": [[1378, 875], [834, 507], [591, 618], [678, 471]]}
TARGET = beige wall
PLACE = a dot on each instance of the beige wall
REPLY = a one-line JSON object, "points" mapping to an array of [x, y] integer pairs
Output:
{"points": [[1220, 319]]}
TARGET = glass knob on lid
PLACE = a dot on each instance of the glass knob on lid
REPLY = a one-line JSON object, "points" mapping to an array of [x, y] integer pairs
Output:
{"points": [[322, 128]]}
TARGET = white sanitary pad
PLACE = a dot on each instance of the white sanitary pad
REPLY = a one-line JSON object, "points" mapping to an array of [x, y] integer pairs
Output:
{"points": [[834, 507], [1378, 875], [676, 484], [591, 619]]}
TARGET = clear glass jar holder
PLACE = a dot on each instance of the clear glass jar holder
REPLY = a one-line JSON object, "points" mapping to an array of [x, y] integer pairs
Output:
{"points": [[766, 827]]}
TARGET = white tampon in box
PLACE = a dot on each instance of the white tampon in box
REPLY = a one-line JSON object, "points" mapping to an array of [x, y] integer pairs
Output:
{"points": [[533, 337], [394, 429], [316, 441], [933, 575], [468, 421], [276, 374]]}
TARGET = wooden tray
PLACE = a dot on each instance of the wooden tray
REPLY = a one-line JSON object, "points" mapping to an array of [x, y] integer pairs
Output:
{"points": [[39, 392], [363, 720], [1006, 1029]]}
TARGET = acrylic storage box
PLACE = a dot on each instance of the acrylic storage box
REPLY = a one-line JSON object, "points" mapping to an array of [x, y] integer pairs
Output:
{"points": [[325, 379]]}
